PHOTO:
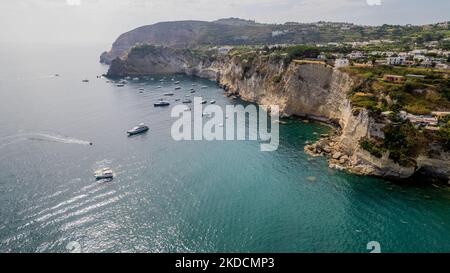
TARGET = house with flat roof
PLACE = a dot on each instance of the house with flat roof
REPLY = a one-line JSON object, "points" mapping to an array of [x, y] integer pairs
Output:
{"points": [[394, 78]]}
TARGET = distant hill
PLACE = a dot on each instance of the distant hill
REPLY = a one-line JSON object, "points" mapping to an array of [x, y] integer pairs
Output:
{"points": [[235, 31]]}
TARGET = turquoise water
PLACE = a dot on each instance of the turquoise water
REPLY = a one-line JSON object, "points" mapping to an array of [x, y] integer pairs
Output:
{"points": [[177, 196]]}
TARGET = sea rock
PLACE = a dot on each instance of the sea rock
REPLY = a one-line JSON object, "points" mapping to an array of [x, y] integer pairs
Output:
{"points": [[327, 149], [337, 155]]}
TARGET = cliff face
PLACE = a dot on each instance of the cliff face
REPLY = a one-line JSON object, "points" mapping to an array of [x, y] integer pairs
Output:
{"points": [[305, 89], [162, 60]]}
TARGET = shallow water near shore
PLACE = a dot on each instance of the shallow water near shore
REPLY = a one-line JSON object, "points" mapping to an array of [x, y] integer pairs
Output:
{"points": [[168, 196]]}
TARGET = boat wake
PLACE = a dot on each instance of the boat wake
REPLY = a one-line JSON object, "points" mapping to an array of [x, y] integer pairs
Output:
{"points": [[10, 140]]}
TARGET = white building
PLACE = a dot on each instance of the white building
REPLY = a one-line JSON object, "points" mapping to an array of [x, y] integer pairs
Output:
{"points": [[355, 55], [396, 60]]}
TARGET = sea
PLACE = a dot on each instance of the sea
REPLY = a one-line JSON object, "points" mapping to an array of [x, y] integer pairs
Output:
{"points": [[178, 196]]}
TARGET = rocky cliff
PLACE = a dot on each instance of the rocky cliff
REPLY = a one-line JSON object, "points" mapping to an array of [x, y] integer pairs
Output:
{"points": [[305, 89]]}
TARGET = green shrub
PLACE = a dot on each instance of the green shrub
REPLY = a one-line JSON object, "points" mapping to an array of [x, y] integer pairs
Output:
{"points": [[371, 148], [301, 51], [444, 134], [277, 78], [368, 102]]}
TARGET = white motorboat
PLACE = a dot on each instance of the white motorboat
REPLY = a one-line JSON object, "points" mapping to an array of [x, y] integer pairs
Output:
{"points": [[168, 94], [105, 173], [162, 103], [141, 128], [213, 102]]}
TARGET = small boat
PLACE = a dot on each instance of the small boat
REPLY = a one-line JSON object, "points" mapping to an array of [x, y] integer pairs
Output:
{"points": [[204, 87], [177, 82], [187, 96], [168, 94], [192, 88], [177, 88], [141, 128], [162, 103], [187, 109], [193, 91], [85, 80], [105, 173], [120, 85], [177, 99], [187, 101], [135, 79], [159, 86], [56, 75], [212, 102], [128, 78], [204, 102], [141, 89]]}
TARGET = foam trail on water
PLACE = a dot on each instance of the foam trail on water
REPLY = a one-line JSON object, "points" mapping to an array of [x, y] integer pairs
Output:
{"points": [[6, 141], [58, 138]]}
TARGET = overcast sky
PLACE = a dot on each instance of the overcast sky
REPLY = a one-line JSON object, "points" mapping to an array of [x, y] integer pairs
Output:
{"points": [[101, 21]]}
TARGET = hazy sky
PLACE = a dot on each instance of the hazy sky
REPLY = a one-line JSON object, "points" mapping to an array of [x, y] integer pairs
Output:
{"points": [[101, 21]]}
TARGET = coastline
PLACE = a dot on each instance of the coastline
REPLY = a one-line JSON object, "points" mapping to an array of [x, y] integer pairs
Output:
{"points": [[315, 91]]}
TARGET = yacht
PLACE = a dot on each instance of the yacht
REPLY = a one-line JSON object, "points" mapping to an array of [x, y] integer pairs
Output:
{"points": [[105, 173], [161, 103], [141, 128]]}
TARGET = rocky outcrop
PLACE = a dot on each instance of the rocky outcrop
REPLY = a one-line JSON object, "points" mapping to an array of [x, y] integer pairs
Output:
{"points": [[147, 60], [311, 90]]}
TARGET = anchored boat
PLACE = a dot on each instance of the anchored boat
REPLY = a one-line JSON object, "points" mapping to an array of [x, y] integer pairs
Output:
{"points": [[105, 173]]}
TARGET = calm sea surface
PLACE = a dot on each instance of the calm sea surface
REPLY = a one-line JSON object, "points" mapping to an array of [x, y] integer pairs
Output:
{"points": [[173, 196]]}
